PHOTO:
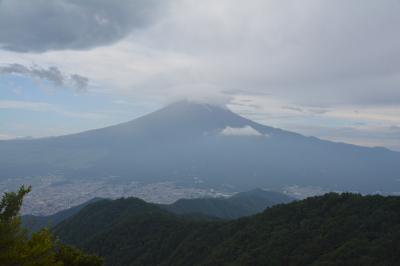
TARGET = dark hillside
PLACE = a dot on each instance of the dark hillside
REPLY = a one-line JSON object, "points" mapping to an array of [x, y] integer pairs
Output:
{"points": [[333, 229]]}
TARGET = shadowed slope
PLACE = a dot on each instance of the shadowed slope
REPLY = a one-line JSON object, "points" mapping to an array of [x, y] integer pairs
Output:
{"points": [[333, 229]]}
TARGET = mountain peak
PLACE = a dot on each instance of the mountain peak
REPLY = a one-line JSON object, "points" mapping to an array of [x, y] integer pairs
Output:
{"points": [[188, 139], [181, 119], [189, 115], [194, 106]]}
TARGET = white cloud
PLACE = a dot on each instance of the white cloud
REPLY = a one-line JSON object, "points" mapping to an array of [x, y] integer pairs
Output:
{"points": [[6, 136], [46, 107], [357, 124], [245, 131], [26, 105]]}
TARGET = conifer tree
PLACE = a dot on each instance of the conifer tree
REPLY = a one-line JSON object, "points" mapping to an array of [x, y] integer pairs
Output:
{"points": [[40, 249]]}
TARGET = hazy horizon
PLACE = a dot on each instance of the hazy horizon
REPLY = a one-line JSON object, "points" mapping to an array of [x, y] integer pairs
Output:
{"points": [[200, 103]]}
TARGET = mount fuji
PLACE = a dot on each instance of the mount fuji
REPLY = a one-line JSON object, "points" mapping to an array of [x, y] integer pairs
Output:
{"points": [[217, 148]]}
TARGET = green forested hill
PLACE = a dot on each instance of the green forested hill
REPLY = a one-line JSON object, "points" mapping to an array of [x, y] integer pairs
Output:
{"points": [[333, 229], [239, 205], [99, 217]]}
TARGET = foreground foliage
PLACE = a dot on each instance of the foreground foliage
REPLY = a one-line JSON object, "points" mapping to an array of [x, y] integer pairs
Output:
{"points": [[40, 249], [334, 229]]}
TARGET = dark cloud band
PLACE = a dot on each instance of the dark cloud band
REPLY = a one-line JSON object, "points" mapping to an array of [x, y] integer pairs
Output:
{"points": [[52, 74], [42, 25]]}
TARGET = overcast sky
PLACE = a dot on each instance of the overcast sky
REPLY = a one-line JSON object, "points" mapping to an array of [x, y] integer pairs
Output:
{"points": [[325, 68]]}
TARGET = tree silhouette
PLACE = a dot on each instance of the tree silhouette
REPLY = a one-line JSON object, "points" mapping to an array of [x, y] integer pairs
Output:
{"points": [[41, 249]]}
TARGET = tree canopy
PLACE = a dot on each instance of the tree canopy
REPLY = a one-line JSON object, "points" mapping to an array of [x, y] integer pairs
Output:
{"points": [[334, 229], [19, 248]]}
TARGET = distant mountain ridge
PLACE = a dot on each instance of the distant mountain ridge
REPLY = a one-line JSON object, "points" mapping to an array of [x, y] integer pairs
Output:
{"points": [[186, 140], [35, 223], [240, 205], [334, 229]]}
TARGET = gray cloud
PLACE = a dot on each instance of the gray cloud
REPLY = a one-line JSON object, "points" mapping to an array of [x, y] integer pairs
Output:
{"points": [[316, 111], [51, 74], [293, 108], [42, 25], [79, 82], [318, 53]]}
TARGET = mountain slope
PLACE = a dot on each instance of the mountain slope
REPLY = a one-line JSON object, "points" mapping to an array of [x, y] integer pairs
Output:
{"points": [[186, 140], [333, 229], [239, 205], [98, 217], [35, 223]]}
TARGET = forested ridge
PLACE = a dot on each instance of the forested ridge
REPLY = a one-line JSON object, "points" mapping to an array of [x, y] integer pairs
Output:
{"points": [[239, 205], [334, 229], [236, 206]]}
